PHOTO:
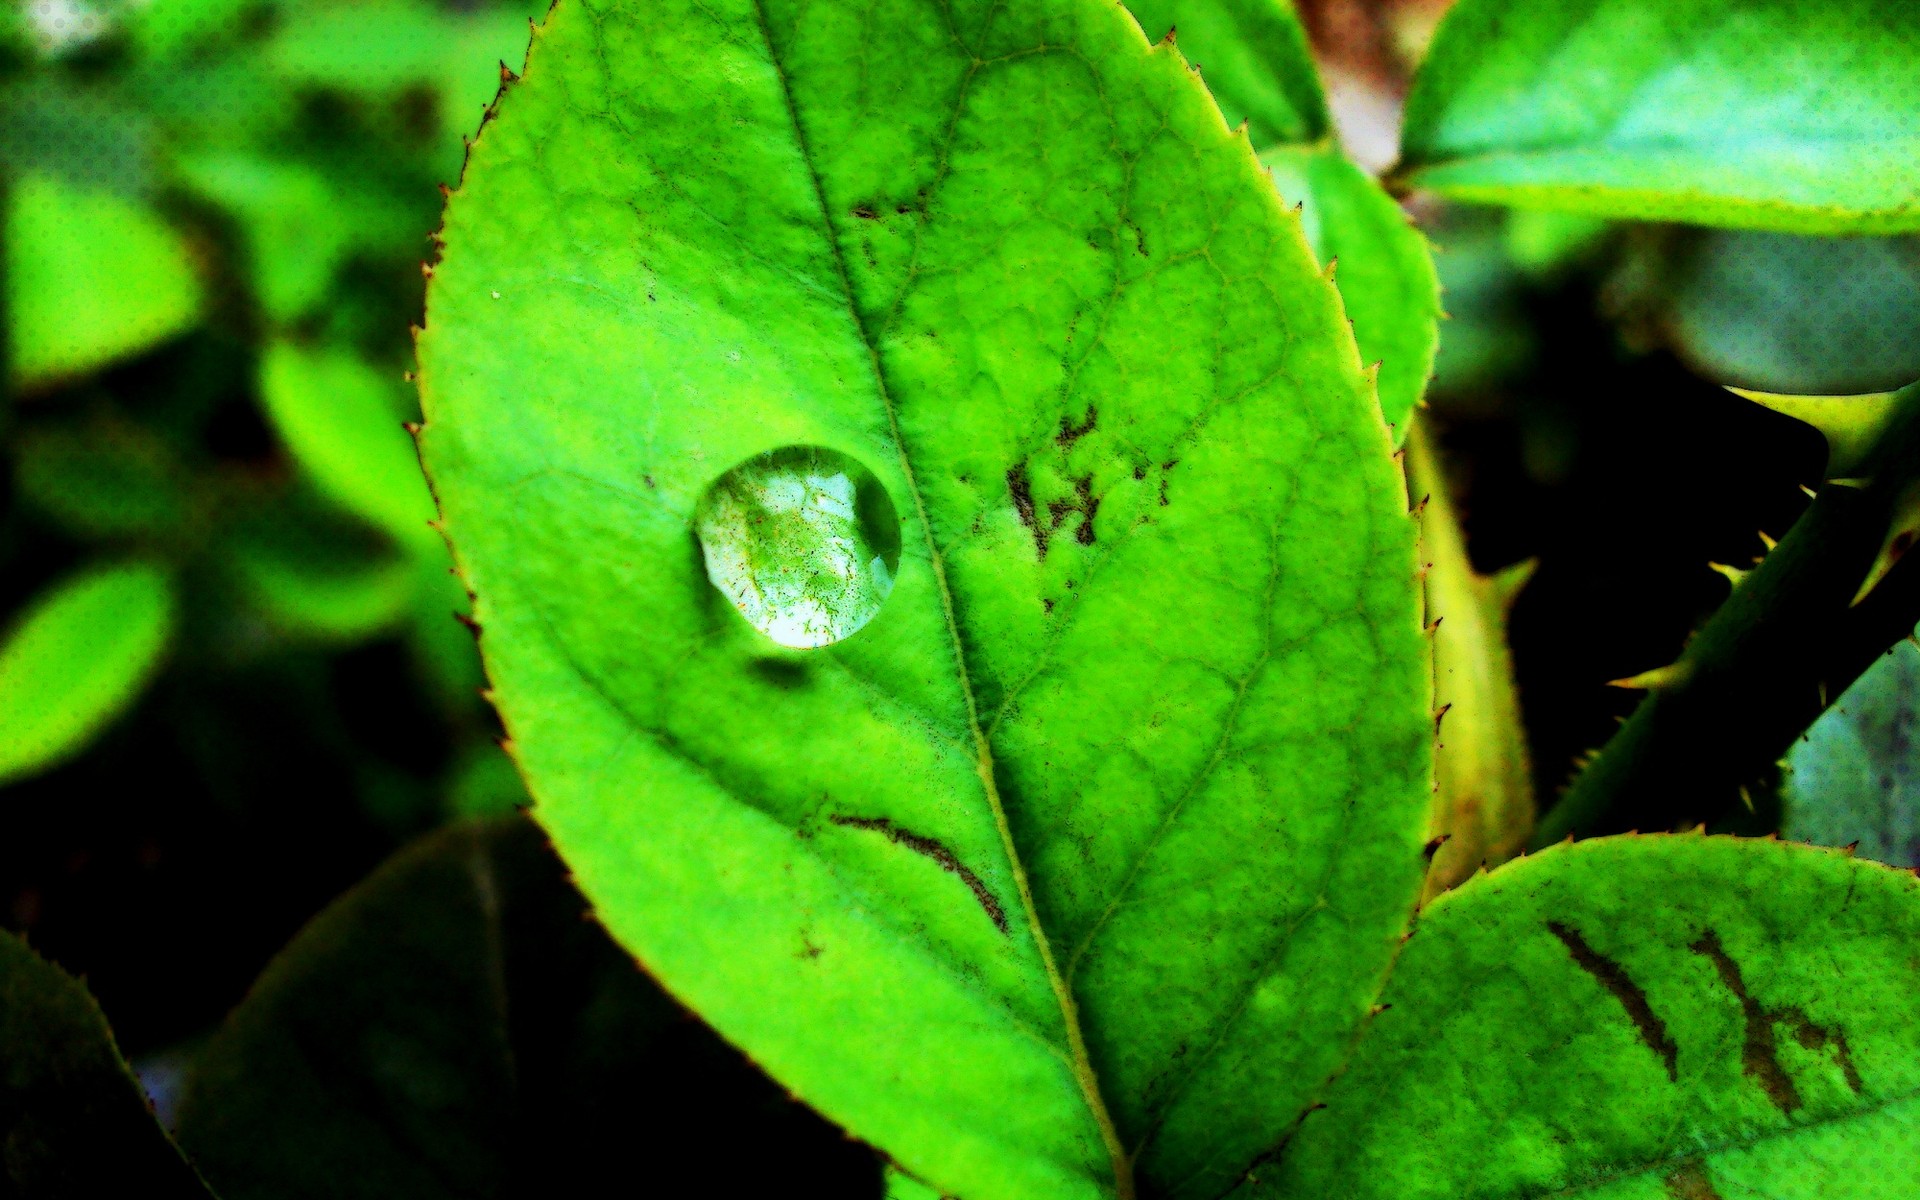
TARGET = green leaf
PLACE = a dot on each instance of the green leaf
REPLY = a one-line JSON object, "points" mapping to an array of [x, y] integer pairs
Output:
{"points": [[1794, 115], [456, 1027], [382, 46], [1382, 264], [1854, 777], [1544, 243], [91, 277], [341, 419], [1254, 57], [297, 226], [1780, 313], [1256, 62], [1661, 1018], [1483, 778], [309, 584], [105, 478], [73, 1121], [79, 656], [1084, 857]]}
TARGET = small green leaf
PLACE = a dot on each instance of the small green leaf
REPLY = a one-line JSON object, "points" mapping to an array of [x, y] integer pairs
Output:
{"points": [[1654, 1018], [298, 228], [1255, 60], [341, 419], [105, 478], [1855, 776], [1381, 263], [1781, 313], [1254, 57], [1080, 861], [456, 1027], [308, 584], [1542, 242], [91, 278], [1794, 115], [79, 655], [73, 1121]]}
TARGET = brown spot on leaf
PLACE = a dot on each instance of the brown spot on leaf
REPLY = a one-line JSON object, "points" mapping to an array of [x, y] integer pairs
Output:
{"points": [[936, 850], [1632, 997], [1690, 1181], [1071, 433], [1022, 491], [1760, 1051]]}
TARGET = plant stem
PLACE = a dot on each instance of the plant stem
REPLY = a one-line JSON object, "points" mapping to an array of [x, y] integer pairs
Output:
{"points": [[1787, 641]]}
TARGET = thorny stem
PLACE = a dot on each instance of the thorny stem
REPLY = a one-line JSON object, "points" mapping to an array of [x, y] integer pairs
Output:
{"points": [[1786, 642]]}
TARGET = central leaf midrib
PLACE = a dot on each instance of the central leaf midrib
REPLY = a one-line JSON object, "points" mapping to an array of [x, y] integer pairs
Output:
{"points": [[1082, 1063]]}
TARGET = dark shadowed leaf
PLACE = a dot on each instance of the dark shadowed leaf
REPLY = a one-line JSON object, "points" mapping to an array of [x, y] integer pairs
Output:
{"points": [[1855, 776], [73, 1123], [457, 1027]]}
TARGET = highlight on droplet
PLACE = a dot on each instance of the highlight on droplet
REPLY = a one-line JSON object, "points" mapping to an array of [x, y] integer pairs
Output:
{"points": [[804, 542]]}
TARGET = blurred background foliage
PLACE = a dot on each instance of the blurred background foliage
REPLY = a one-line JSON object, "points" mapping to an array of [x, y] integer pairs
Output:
{"points": [[233, 677], [213, 518]]}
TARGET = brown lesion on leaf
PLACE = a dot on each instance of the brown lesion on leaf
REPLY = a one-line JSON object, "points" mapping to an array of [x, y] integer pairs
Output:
{"points": [[1690, 1181], [1022, 491], [865, 212], [1760, 1050], [936, 850], [1083, 502], [1071, 433], [1632, 997]]}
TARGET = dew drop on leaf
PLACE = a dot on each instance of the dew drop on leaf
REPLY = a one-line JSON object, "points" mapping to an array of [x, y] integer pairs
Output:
{"points": [[803, 540]]}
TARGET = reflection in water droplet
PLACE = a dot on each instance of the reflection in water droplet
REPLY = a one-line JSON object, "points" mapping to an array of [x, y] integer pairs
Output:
{"points": [[803, 540]]}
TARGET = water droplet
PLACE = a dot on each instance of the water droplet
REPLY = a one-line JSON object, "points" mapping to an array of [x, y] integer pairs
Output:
{"points": [[803, 540]]}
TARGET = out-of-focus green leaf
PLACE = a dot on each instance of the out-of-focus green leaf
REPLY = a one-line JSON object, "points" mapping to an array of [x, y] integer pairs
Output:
{"points": [[940, 876], [78, 656], [73, 1122], [1541, 241], [309, 585], [342, 420], [1381, 264], [441, 637], [91, 277], [1637, 1018], [1255, 60], [1487, 337], [1780, 313], [1855, 776], [170, 30], [90, 137], [485, 783], [298, 228], [384, 45], [104, 479], [457, 1027], [1483, 778], [1796, 115]]}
